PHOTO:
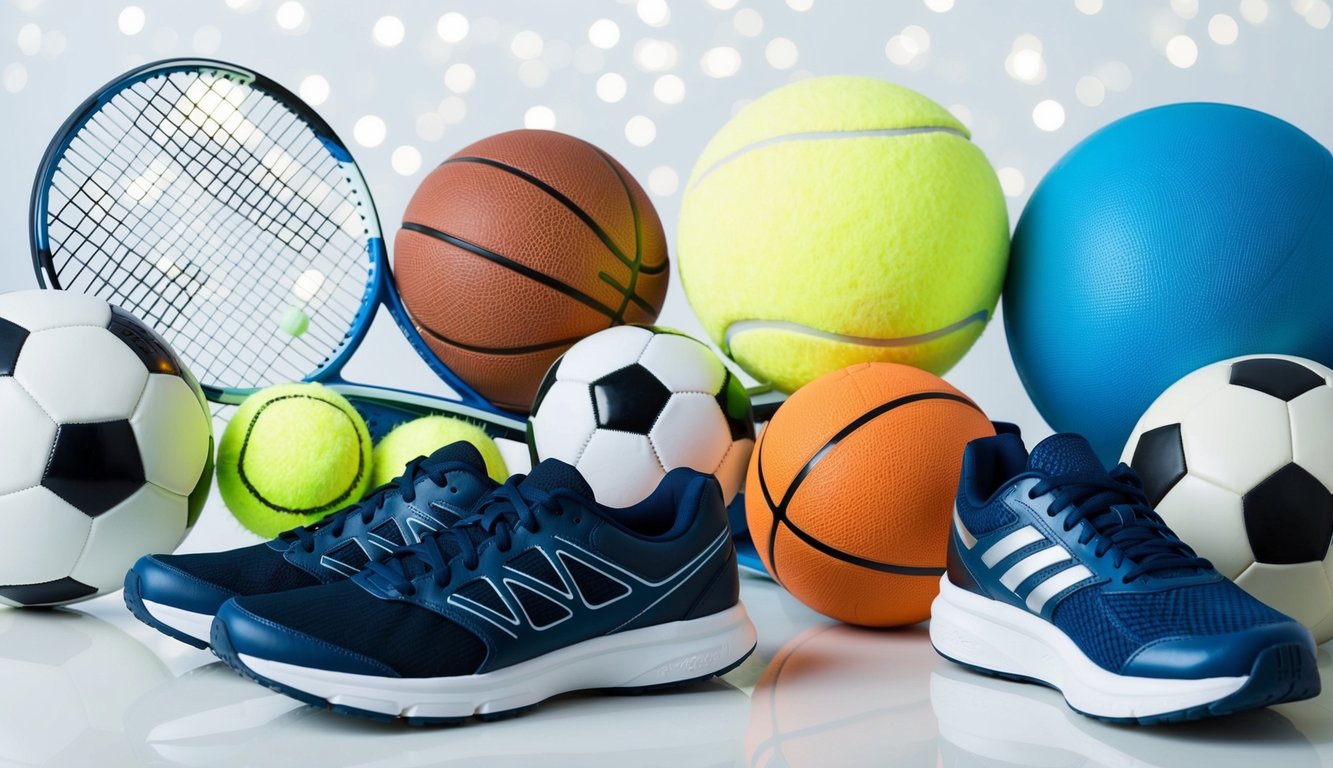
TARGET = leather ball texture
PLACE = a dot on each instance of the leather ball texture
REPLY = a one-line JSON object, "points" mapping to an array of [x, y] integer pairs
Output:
{"points": [[107, 447], [1238, 459], [629, 404], [518, 246], [850, 491], [1168, 240]]}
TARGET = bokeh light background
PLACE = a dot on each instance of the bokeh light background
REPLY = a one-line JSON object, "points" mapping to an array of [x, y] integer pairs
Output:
{"points": [[650, 81]]}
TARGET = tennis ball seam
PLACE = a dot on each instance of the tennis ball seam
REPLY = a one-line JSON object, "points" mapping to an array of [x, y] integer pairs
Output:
{"points": [[731, 331], [773, 141], [338, 501]]}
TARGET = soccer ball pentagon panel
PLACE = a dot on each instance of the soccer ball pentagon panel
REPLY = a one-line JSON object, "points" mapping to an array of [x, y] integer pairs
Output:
{"points": [[1238, 459], [628, 404], [107, 452]]}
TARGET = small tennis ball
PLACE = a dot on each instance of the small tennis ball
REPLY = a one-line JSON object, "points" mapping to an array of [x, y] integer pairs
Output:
{"points": [[423, 436], [841, 220], [295, 321], [290, 455]]}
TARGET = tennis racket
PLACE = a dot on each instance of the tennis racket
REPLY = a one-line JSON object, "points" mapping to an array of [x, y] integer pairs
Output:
{"points": [[216, 205]]}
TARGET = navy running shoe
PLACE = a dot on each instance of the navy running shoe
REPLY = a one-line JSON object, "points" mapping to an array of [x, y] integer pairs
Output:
{"points": [[540, 592], [1060, 573], [179, 594]]}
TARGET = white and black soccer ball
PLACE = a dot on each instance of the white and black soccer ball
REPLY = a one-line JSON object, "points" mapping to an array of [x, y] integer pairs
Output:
{"points": [[628, 404], [1238, 459], [107, 447]]}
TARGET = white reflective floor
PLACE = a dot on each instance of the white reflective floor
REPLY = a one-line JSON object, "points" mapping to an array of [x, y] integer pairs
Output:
{"points": [[92, 687]]}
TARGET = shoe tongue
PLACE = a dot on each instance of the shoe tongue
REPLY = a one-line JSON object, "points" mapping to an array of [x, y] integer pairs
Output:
{"points": [[461, 452], [1064, 454], [554, 474]]}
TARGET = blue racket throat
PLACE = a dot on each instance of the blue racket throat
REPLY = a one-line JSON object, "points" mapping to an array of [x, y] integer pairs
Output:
{"points": [[218, 207]]}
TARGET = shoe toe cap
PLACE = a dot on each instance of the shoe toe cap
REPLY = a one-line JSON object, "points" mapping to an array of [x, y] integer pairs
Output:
{"points": [[157, 579], [1205, 656], [250, 633]]}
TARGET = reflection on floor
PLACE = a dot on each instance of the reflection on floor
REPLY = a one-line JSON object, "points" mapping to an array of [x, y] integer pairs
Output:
{"points": [[92, 687]]}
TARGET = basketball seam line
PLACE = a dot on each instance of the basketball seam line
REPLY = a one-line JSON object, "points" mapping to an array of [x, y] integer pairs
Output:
{"points": [[629, 292], [510, 264], [499, 350], [559, 198], [822, 135], [779, 511], [738, 327]]}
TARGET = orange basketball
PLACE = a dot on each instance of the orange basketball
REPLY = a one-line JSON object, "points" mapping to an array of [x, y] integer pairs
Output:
{"points": [[850, 491], [520, 245]]}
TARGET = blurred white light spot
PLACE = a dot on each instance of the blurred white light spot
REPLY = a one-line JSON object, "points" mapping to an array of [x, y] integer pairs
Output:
{"points": [[460, 77], [1027, 41], [1185, 9], [15, 77], [526, 45], [654, 13], [748, 22], [1048, 115], [655, 55], [1115, 75], [314, 90], [539, 117], [452, 27], [1090, 91], [916, 39], [243, 6], [940, 6], [369, 131], [663, 180], [669, 89], [1026, 66], [1090, 7], [1011, 181], [30, 38], [53, 44], [722, 61], [290, 15], [640, 131], [963, 114], [388, 31], [611, 87], [1223, 29], [131, 20], [206, 40], [430, 126], [604, 33], [1254, 11], [1318, 15], [898, 52], [781, 53], [533, 74], [452, 110], [903, 49], [800, 6], [1182, 51], [406, 160], [723, 5], [308, 284]]}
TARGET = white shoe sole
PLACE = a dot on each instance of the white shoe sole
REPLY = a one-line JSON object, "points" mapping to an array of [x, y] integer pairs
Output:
{"points": [[195, 625], [997, 637], [642, 658]]}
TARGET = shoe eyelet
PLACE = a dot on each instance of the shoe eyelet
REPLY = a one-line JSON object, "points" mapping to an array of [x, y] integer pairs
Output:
{"points": [[577, 520], [452, 489]]}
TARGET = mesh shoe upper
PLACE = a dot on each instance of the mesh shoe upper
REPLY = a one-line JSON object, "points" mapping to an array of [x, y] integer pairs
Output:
{"points": [[433, 493], [1057, 535], [537, 567]]}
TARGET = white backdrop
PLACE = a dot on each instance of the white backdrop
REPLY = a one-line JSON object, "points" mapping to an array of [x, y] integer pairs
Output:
{"points": [[408, 83]]}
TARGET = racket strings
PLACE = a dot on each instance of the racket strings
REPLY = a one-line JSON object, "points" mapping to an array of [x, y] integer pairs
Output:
{"points": [[210, 209]]}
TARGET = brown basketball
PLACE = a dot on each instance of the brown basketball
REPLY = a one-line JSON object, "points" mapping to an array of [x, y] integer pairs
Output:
{"points": [[520, 245]]}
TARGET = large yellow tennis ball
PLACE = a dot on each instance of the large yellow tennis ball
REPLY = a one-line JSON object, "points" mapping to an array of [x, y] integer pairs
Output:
{"points": [[423, 436], [842, 220], [290, 455]]}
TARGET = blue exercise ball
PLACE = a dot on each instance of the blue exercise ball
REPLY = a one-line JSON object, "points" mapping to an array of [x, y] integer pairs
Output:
{"points": [[1168, 240]]}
